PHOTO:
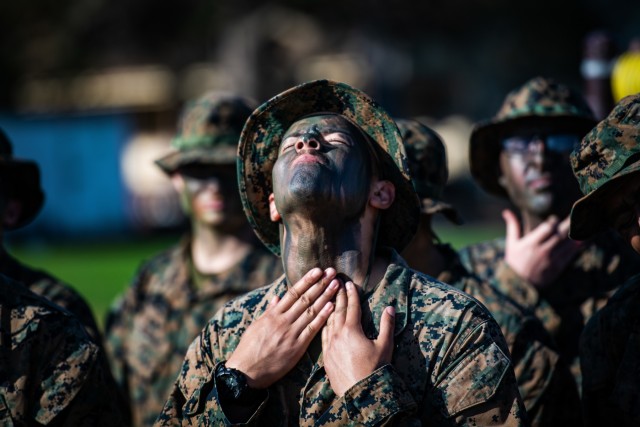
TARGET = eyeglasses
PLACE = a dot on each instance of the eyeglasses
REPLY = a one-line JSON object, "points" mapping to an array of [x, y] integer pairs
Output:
{"points": [[198, 177], [523, 145]]}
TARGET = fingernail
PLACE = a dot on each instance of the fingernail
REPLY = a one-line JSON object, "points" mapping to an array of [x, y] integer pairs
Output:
{"points": [[334, 284], [391, 311], [349, 285], [316, 272]]}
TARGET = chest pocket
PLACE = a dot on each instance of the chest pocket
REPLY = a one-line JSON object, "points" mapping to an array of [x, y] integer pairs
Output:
{"points": [[474, 380]]}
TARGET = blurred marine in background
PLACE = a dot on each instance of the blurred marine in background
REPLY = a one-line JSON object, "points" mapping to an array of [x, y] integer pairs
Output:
{"points": [[607, 166], [522, 154], [21, 198], [545, 383], [53, 370], [175, 293]]}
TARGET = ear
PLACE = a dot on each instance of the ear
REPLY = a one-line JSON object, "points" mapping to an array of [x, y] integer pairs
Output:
{"points": [[178, 182], [382, 195], [502, 181], [273, 211], [12, 212]]}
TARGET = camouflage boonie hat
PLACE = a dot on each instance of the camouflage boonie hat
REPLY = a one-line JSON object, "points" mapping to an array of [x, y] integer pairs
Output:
{"points": [[608, 154], [262, 134], [539, 102], [427, 158], [208, 131], [20, 180]]}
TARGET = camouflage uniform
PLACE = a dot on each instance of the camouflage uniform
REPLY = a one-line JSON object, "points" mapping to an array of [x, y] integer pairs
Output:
{"points": [[610, 344], [168, 303], [51, 373], [586, 284], [545, 383], [49, 287], [149, 330], [450, 364]]}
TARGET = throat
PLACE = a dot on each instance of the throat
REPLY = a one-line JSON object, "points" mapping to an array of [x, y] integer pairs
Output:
{"points": [[306, 245]]}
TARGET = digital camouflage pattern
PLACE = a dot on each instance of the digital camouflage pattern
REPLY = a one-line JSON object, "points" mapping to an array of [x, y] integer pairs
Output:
{"points": [[427, 160], [450, 365], [262, 134], [609, 354], [51, 373], [150, 328], [208, 131], [609, 154], [565, 305], [546, 385], [540, 101], [49, 287]]}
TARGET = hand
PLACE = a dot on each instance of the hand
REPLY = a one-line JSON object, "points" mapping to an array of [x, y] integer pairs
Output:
{"points": [[540, 256], [274, 343], [348, 354]]}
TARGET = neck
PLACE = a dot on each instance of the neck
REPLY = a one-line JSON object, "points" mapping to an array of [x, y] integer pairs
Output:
{"points": [[343, 245], [214, 251], [422, 254]]}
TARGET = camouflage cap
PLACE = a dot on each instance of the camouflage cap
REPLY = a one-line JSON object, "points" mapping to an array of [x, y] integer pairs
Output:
{"points": [[260, 140], [427, 158], [539, 102], [20, 180], [208, 131], [609, 154]]}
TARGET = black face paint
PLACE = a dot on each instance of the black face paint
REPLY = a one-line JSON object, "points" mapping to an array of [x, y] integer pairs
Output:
{"points": [[323, 174]]}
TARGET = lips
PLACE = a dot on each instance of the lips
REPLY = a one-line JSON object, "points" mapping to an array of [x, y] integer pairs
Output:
{"points": [[306, 158], [540, 182]]}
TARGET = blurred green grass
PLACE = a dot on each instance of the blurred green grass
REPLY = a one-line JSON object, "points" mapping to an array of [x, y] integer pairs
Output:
{"points": [[101, 271]]}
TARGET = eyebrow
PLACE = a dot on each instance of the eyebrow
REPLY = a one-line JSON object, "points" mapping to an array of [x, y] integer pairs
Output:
{"points": [[324, 132]]}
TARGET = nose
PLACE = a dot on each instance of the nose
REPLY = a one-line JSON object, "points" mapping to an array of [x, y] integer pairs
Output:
{"points": [[307, 141]]}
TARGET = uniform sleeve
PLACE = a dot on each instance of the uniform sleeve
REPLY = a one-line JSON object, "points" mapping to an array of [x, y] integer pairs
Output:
{"points": [[76, 387], [547, 387], [118, 327], [194, 397], [477, 385], [526, 295]]}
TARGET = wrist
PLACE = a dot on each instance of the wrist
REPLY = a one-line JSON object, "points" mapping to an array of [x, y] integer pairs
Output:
{"points": [[233, 385]]}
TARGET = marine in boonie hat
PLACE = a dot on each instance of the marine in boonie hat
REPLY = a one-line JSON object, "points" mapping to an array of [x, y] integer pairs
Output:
{"points": [[20, 181], [208, 131], [427, 158], [608, 156], [539, 102], [262, 134]]}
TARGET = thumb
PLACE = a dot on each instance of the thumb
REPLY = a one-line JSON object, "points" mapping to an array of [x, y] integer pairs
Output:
{"points": [[387, 325], [512, 224]]}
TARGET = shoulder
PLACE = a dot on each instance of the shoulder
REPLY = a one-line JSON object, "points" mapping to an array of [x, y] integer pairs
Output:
{"points": [[479, 257]]}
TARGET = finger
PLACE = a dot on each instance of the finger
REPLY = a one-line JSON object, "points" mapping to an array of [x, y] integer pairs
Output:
{"points": [[563, 227], [543, 231], [353, 305], [312, 311], [308, 298], [387, 325], [294, 292], [274, 301], [512, 226], [310, 331], [340, 312]]}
